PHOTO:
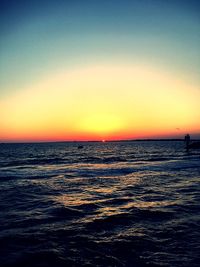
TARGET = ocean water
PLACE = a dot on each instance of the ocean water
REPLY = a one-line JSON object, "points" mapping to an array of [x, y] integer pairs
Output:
{"points": [[107, 204]]}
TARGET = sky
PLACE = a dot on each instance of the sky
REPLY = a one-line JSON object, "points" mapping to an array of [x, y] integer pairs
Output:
{"points": [[95, 70]]}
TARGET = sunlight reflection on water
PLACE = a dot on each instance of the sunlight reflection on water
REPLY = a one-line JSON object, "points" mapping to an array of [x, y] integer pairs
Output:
{"points": [[121, 201]]}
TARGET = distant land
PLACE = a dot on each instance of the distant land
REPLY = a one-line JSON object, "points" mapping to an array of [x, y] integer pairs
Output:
{"points": [[100, 141]]}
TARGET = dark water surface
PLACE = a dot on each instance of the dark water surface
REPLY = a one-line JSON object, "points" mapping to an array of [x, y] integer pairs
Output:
{"points": [[108, 204]]}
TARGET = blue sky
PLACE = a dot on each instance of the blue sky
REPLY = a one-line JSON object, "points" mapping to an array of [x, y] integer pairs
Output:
{"points": [[43, 37]]}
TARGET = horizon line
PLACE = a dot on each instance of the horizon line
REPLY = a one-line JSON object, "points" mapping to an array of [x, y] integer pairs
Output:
{"points": [[97, 141]]}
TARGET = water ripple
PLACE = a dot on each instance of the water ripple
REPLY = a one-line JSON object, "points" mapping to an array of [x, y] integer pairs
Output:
{"points": [[108, 204]]}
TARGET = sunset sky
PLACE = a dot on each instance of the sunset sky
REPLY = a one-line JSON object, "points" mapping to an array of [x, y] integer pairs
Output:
{"points": [[94, 70]]}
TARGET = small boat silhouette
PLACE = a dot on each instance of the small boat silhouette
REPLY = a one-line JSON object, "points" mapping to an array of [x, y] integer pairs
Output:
{"points": [[80, 147]]}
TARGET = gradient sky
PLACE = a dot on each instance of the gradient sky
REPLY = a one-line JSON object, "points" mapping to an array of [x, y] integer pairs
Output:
{"points": [[92, 70]]}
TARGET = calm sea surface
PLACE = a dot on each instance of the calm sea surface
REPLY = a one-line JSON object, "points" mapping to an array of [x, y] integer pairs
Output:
{"points": [[107, 204]]}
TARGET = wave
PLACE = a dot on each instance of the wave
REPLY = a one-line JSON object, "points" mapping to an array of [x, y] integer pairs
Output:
{"points": [[25, 163], [103, 172], [35, 161], [65, 213], [130, 217], [111, 204]]}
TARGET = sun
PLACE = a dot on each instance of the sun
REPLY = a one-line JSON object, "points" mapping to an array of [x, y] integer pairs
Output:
{"points": [[101, 123]]}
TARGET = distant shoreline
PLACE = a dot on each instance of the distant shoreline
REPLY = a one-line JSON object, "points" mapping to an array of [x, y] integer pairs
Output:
{"points": [[99, 141]]}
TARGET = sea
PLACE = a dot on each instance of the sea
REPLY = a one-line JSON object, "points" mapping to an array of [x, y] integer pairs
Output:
{"points": [[99, 204]]}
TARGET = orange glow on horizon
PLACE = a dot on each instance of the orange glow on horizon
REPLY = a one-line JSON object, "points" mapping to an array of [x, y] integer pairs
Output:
{"points": [[101, 103]]}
